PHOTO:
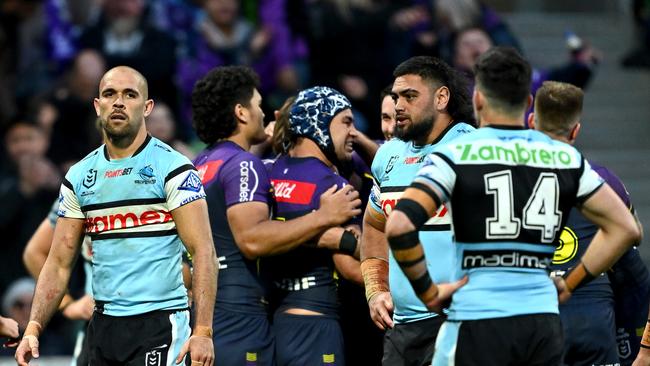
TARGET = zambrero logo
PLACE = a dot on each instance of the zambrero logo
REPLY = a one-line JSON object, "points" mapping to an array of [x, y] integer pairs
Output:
{"points": [[99, 224], [515, 153]]}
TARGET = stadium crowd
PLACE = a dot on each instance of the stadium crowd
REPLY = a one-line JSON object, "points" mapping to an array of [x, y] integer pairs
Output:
{"points": [[301, 149]]}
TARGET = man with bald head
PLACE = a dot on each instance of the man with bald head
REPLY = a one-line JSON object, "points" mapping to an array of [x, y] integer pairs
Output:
{"points": [[140, 202]]}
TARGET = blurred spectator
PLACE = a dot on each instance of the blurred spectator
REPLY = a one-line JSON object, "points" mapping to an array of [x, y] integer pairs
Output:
{"points": [[452, 16], [640, 55], [67, 114], [17, 303], [160, 124], [347, 49], [23, 67], [470, 43], [124, 37], [227, 38], [29, 182]]}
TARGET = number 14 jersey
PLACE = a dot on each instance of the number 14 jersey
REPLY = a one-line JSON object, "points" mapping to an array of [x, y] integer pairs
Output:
{"points": [[509, 190]]}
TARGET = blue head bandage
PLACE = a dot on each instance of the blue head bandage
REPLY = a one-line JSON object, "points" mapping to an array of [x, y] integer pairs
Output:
{"points": [[312, 113]]}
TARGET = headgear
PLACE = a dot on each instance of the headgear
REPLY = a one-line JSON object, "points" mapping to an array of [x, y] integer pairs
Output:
{"points": [[312, 113]]}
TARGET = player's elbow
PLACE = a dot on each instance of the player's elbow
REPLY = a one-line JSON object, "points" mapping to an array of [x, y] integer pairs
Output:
{"points": [[250, 248], [633, 233], [397, 225]]}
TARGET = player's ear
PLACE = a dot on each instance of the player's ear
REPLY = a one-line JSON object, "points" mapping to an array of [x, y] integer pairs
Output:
{"points": [[241, 113], [148, 107], [531, 120], [573, 135]]}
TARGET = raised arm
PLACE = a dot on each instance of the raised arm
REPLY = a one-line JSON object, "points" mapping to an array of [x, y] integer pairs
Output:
{"points": [[193, 226], [52, 284], [257, 236]]}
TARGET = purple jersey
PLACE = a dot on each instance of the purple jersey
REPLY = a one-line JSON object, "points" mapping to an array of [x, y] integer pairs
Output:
{"points": [[231, 176], [304, 277], [575, 239]]}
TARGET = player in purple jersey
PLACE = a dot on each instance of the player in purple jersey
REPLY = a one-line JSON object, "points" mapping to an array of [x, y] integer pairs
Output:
{"points": [[228, 117], [122, 105], [319, 138], [588, 317]]}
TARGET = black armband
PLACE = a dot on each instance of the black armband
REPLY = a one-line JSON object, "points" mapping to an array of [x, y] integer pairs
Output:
{"points": [[430, 192], [414, 211], [348, 243], [422, 284], [404, 241]]}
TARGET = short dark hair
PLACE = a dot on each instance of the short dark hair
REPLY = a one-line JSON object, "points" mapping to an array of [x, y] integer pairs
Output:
{"points": [[386, 92], [440, 74], [558, 107], [214, 98], [504, 77]]}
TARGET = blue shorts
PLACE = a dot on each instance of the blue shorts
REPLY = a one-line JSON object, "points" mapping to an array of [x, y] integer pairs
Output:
{"points": [[589, 333], [308, 340], [242, 339]]}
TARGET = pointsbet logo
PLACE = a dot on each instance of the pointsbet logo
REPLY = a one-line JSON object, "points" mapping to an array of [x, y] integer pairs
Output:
{"points": [[515, 153]]}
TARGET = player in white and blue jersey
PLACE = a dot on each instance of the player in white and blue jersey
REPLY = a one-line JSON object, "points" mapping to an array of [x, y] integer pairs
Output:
{"points": [[510, 191], [432, 108], [140, 202]]}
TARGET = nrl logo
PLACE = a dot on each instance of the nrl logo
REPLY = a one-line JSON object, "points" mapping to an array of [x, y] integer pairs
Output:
{"points": [[90, 178]]}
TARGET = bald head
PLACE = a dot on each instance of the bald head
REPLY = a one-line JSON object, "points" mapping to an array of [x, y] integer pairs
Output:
{"points": [[142, 85]]}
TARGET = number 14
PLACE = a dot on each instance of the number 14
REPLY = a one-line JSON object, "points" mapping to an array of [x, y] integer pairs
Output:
{"points": [[540, 213]]}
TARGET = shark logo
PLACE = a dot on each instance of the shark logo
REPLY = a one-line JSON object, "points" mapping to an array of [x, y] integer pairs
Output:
{"points": [[147, 176]]}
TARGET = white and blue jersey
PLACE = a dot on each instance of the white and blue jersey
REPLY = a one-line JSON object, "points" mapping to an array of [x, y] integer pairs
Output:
{"points": [[394, 166], [510, 192], [126, 205]]}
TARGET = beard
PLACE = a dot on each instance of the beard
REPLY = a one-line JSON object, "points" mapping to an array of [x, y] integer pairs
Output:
{"points": [[120, 137], [416, 131]]}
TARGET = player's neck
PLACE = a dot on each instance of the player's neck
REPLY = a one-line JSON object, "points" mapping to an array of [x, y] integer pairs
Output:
{"points": [[439, 126], [115, 151], [490, 117], [240, 140], [306, 148]]}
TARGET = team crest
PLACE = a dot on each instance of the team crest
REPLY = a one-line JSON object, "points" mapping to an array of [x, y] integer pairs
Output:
{"points": [[153, 358], [391, 163], [191, 183], [147, 175], [90, 178], [623, 339]]}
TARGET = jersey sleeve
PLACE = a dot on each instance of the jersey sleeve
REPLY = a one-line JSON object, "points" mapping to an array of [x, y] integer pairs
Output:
{"points": [[589, 182], [244, 179], [68, 201], [182, 186], [377, 170], [53, 214], [438, 173], [616, 184]]}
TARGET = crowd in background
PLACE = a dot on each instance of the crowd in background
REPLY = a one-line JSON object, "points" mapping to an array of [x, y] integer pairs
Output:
{"points": [[53, 53]]}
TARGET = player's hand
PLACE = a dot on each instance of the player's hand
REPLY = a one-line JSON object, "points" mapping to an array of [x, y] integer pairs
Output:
{"points": [[643, 358], [81, 309], [27, 348], [381, 310], [339, 206], [563, 293], [8, 327], [443, 297], [201, 351]]}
